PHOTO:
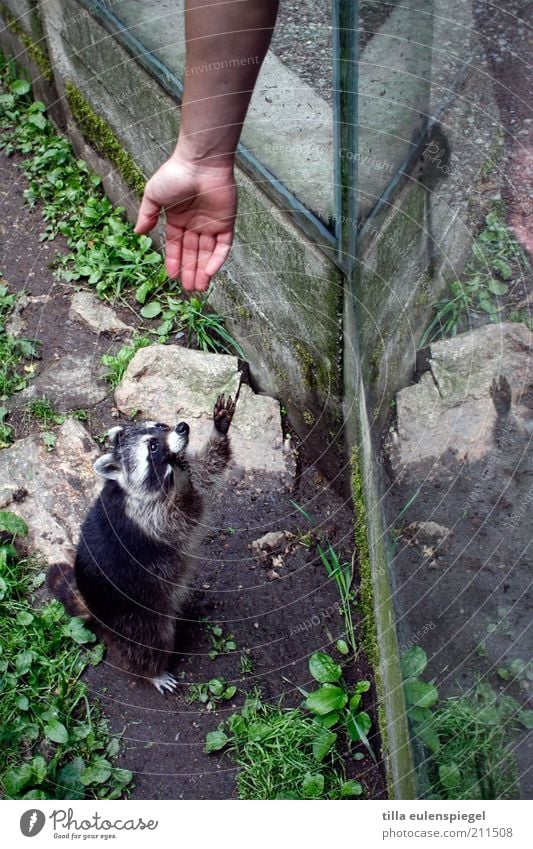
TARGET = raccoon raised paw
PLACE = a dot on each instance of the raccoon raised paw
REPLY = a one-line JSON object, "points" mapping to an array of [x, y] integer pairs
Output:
{"points": [[163, 682], [223, 413]]}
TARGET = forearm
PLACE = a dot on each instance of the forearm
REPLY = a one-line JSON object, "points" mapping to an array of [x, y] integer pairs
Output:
{"points": [[226, 43]]}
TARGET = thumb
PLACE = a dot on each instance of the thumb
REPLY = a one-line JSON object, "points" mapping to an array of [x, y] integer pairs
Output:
{"points": [[148, 215]]}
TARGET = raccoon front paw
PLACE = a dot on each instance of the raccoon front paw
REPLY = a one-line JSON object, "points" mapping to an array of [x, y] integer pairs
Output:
{"points": [[163, 682], [223, 413]]}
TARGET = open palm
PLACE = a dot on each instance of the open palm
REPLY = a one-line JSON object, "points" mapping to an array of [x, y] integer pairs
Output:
{"points": [[200, 204]]}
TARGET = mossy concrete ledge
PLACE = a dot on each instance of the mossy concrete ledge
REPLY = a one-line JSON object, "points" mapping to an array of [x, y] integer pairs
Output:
{"points": [[375, 593]]}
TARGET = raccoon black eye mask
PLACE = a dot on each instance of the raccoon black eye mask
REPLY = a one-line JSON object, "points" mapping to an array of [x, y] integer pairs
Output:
{"points": [[135, 557]]}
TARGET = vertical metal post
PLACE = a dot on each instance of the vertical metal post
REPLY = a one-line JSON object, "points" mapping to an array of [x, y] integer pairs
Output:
{"points": [[345, 79]]}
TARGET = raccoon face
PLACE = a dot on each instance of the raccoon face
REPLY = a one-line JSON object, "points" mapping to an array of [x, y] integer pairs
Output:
{"points": [[145, 457]]}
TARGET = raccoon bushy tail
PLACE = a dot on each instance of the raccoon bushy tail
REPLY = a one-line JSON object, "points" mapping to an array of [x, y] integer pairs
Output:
{"points": [[62, 584]]}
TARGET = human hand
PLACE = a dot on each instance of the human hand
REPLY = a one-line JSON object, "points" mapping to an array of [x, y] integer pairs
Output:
{"points": [[200, 203]]}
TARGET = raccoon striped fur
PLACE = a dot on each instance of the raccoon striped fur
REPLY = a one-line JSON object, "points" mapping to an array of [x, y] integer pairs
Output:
{"points": [[135, 557]]}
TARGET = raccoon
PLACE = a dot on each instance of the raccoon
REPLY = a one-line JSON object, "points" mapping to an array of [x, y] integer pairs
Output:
{"points": [[135, 557]]}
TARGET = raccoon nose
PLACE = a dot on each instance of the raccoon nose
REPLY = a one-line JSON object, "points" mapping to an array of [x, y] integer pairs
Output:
{"points": [[182, 428]]}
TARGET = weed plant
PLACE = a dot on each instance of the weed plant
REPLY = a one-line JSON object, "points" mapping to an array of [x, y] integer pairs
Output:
{"points": [[54, 743], [104, 252]]}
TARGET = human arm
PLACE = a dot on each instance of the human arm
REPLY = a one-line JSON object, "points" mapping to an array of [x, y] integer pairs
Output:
{"points": [[226, 42]]}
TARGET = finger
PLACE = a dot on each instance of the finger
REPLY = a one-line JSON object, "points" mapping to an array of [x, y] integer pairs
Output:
{"points": [[220, 254], [173, 251], [205, 251], [189, 258], [148, 215]]}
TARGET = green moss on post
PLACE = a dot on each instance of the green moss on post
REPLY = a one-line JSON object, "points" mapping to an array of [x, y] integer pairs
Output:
{"points": [[37, 56], [103, 139], [366, 596]]}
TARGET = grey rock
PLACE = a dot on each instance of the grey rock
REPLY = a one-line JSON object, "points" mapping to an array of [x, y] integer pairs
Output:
{"points": [[257, 436], [89, 311], [271, 540], [51, 490], [170, 383], [477, 388], [73, 382]]}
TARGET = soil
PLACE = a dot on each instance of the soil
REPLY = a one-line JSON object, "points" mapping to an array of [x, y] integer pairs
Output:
{"points": [[278, 622]]}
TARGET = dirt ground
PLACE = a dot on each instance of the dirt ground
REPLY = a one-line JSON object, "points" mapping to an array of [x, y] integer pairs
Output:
{"points": [[277, 623]]}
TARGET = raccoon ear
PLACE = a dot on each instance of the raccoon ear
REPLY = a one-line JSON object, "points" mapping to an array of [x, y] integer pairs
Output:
{"points": [[107, 467], [113, 432]]}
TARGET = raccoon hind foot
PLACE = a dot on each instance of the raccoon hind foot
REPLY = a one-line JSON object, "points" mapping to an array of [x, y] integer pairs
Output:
{"points": [[164, 682], [223, 413]]}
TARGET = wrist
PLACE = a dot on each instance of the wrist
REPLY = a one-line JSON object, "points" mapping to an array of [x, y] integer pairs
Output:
{"points": [[207, 160]]}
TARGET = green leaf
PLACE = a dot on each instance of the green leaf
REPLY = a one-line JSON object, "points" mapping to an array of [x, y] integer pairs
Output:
{"points": [[215, 741], [216, 686], [22, 703], [420, 693], [323, 668], [362, 687], [413, 662], [97, 773], [229, 692], [323, 743], [38, 120], [327, 699], [68, 780], [17, 778], [151, 310], [429, 737], [329, 720], [20, 87], [113, 747], [56, 731], [39, 769], [351, 788], [12, 524], [358, 726], [496, 287], [526, 718], [122, 776], [23, 662], [450, 774], [3, 588], [143, 291], [313, 785], [78, 632], [342, 647]]}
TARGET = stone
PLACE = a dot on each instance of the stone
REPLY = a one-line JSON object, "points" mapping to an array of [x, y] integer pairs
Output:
{"points": [[73, 382], [479, 384], [257, 435], [51, 490], [86, 309], [271, 541], [169, 383]]}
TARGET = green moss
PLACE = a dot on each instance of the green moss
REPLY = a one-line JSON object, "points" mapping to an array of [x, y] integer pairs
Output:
{"points": [[37, 56], [366, 596], [103, 139]]}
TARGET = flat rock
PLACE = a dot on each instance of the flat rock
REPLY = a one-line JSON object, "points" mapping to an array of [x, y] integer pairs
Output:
{"points": [[169, 383], [73, 382], [86, 309], [51, 490], [480, 385]]}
